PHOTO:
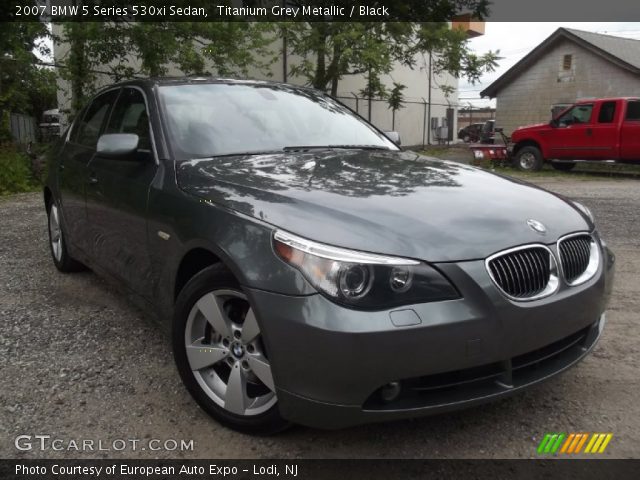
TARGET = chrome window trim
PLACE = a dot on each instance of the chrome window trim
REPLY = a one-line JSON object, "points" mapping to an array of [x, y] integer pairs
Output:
{"points": [[594, 259], [554, 273], [337, 253]]}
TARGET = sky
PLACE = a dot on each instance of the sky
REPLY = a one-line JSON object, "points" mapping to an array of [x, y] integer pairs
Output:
{"points": [[515, 39]]}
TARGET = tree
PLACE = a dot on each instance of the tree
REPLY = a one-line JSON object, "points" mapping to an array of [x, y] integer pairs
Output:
{"points": [[122, 49], [332, 50], [24, 85], [396, 100]]}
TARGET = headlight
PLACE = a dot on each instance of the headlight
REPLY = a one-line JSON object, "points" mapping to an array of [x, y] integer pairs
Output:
{"points": [[363, 280], [586, 211]]}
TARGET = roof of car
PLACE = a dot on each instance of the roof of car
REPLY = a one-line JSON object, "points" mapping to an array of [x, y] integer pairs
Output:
{"points": [[152, 81], [607, 99]]}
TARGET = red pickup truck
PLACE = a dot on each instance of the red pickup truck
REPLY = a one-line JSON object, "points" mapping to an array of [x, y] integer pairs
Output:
{"points": [[603, 129]]}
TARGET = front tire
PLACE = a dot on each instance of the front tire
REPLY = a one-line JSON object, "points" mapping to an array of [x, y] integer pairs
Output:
{"points": [[57, 242], [529, 159], [220, 354]]}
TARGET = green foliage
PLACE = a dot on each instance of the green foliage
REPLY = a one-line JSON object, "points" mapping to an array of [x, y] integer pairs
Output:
{"points": [[374, 88], [25, 86], [332, 50], [15, 171], [128, 49], [396, 97]]}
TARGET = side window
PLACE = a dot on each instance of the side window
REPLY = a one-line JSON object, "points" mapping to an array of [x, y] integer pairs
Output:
{"points": [[633, 111], [130, 116], [92, 121], [607, 112], [577, 115]]}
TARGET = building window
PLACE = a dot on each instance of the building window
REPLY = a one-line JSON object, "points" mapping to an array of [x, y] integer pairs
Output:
{"points": [[567, 61]]}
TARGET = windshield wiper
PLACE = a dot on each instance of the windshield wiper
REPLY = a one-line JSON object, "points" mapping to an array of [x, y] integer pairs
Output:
{"points": [[330, 147], [239, 154]]}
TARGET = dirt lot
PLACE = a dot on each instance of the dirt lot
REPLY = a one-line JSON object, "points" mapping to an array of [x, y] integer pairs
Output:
{"points": [[77, 361]]}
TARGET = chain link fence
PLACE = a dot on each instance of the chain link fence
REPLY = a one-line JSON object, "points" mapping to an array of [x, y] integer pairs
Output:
{"points": [[418, 122]]}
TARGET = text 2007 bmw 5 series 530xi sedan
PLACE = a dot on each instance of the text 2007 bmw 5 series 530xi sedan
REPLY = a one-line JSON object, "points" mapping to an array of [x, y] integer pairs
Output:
{"points": [[311, 271]]}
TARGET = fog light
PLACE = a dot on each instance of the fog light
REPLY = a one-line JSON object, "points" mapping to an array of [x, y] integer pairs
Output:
{"points": [[390, 392]]}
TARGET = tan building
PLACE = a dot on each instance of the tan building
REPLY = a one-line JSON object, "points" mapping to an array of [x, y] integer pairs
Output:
{"points": [[567, 66]]}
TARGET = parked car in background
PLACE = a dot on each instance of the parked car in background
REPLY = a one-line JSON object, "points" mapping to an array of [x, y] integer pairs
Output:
{"points": [[590, 130], [470, 133], [309, 270], [50, 125], [488, 133]]}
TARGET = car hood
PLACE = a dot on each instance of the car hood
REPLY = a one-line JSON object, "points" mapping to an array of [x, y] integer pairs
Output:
{"points": [[397, 203], [530, 128]]}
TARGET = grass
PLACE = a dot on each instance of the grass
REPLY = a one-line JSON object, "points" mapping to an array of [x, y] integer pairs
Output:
{"points": [[582, 171], [17, 173]]}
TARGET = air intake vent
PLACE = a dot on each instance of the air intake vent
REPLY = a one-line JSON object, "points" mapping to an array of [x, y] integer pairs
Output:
{"points": [[579, 258], [524, 273]]}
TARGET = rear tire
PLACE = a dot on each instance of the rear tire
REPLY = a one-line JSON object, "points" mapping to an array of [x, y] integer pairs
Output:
{"points": [[57, 241], [528, 159], [219, 353], [563, 166]]}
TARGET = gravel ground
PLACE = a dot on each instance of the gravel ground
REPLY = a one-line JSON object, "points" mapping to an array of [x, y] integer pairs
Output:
{"points": [[77, 361]]}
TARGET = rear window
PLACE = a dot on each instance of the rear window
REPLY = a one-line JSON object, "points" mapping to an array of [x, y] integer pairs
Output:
{"points": [[607, 112]]}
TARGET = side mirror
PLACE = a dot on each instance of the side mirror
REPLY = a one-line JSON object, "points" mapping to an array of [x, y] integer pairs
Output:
{"points": [[394, 137], [118, 145], [553, 123]]}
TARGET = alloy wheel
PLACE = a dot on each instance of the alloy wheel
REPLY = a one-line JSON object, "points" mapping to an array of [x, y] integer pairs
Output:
{"points": [[55, 232], [226, 353], [527, 161]]}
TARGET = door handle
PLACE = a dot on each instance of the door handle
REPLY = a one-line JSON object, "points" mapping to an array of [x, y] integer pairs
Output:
{"points": [[93, 179], [589, 132]]}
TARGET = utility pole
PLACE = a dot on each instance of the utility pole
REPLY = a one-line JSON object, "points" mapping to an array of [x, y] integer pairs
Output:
{"points": [[429, 106], [370, 102], [284, 51]]}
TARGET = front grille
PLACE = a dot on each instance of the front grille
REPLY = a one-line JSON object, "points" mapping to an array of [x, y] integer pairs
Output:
{"points": [[575, 253], [522, 273]]}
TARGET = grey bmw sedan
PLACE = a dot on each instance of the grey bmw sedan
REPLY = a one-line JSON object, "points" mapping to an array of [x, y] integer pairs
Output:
{"points": [[309, 270]]}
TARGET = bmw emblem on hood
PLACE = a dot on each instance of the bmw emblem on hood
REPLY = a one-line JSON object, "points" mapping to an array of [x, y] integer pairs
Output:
{"points": [[537, 226]]}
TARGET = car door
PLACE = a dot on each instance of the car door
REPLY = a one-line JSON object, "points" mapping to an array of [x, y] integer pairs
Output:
{"points": [[571, 138], [604, 136], [630, 132], [79, 149], [117, 196]]}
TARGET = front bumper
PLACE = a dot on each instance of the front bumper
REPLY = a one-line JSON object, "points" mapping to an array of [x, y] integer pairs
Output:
{"points": [[329, 363]]}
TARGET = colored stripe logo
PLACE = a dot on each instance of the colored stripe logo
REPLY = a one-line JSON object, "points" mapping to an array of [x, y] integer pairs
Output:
{"points": [[573, 443]]}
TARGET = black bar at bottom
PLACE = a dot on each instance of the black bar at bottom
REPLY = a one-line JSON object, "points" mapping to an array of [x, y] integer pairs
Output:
{"points": [[318, 469]]}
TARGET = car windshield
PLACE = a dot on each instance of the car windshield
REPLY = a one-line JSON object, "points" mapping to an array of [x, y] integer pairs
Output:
{"points": [[215, 119]]}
